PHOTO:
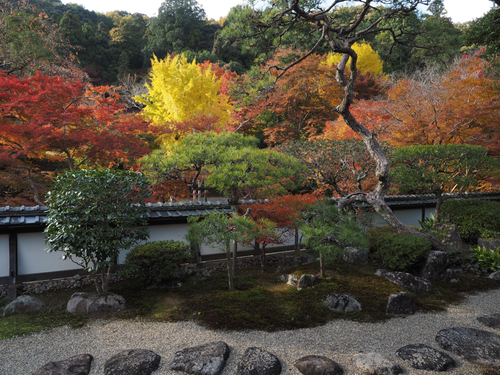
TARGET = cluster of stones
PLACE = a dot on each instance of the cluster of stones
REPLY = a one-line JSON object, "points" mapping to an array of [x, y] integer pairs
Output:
{"points": [[127, 362], [477, 346]]}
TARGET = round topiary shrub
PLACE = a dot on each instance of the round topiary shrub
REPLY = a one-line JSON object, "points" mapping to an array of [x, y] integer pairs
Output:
{"points": [[400, 251], [475, 218], [158, 261]]}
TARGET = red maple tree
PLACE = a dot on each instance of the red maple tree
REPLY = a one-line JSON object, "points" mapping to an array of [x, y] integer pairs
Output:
{"points": [[55, 119]]}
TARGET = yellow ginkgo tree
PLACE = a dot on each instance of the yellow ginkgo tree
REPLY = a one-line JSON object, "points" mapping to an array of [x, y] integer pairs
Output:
{"points": [[368, 59], [182, 92]]}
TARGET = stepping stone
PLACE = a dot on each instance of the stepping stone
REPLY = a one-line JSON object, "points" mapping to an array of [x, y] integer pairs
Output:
{"points": [[132, 362], [376, 364], [318, 365], [257, 361], [207, 359], [492, 321], [423, 357], [77, 365], [474, 345]]}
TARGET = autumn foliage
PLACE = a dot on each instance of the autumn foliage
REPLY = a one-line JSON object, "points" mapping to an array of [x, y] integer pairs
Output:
{"points": [[284, 211], [65, 120], [185, 96], [459, 106]]}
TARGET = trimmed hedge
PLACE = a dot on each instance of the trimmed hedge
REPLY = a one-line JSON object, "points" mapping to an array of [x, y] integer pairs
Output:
{"points": [[400, 251], [158, 261], [475, 218]]}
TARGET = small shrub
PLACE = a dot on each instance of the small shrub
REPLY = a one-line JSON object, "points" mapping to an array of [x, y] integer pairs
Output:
{"points": [[375, 233], [489, 259], [158, 261], [475, 218], [401, 251]]}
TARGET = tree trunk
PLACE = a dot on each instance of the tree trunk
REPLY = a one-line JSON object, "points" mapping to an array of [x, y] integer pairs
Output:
{"points": [[106, 275], [297, 245], [263, 258], [97, 282], [235, 256], [376, 197], [229, 266]]}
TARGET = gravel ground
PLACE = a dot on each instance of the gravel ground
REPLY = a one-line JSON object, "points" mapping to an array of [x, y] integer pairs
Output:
{"points": [[338, 340]]}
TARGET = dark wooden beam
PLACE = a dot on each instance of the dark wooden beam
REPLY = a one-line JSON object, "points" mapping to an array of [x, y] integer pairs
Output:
{"points": [[12, 290]]}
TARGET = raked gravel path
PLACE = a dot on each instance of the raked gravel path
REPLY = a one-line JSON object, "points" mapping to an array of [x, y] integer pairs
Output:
{"points": [[338, 340]]}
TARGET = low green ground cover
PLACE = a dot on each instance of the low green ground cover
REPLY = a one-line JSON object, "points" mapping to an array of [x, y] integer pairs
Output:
{"points": [[260, 301]]}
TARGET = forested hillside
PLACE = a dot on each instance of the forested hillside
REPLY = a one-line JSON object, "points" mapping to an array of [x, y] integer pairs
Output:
{"points": [[80, 89]]}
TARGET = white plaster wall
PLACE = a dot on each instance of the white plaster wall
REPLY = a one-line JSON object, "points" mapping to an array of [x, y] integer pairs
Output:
{"points": [[178, 232], [408, 217], [4, 255], [33, 257]]}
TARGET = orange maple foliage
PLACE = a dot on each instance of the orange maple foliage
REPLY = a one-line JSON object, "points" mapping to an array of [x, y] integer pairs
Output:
{"points": [[298, 106], [461, 106]]}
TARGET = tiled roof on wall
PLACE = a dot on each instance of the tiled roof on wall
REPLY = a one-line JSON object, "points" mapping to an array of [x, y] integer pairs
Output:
{"points": [[24, 215], [28, 216]]}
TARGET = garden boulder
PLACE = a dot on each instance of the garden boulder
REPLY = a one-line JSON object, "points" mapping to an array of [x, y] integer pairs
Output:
{"points": [[341, 303], [492, 321], [22, 305], [83, 303], [489, 243], [405, 280], [77, 365], [451, 237], [318, 365], [436, 266], [257, 361], [306, 281], [207, 359], [132, 362], [376, 364], [423, 357], [477, 346], [400, 303]]}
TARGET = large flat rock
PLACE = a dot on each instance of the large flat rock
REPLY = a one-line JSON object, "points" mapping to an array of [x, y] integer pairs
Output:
{"points": [[476, 346], [423, 357], [207, 359]]}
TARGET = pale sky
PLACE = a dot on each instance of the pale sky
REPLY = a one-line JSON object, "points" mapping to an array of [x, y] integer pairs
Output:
{"points": [[458, 10]]}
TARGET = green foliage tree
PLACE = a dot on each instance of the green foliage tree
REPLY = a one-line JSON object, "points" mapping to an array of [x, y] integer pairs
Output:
{"points": [[485, 32], [442, 168], [220, 230], [30, 41], [178, 27], [92, 215], [228, 162], [327, 231], [441, 38]]}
